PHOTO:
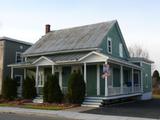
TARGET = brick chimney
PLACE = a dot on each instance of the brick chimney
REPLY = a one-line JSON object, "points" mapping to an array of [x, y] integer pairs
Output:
{"points": [[47, 28]]}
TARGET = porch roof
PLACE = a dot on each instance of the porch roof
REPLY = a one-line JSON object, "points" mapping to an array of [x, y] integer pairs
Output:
{"points": [[80, 57], [67, 57], [123, 62], [21, 65]]}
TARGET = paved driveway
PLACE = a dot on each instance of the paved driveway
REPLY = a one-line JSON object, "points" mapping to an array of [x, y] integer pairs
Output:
{"points": [[144, 109]]}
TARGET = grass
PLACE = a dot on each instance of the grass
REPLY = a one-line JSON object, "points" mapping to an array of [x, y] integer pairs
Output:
{"points": [[38, 106], [156, 96]]}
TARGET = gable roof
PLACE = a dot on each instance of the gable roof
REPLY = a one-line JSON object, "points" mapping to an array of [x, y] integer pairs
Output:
{"points": [[15, 40], [81, 38]]}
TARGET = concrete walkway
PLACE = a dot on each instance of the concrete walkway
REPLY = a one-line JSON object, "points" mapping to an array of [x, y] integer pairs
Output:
{"points": [[66, 114]]}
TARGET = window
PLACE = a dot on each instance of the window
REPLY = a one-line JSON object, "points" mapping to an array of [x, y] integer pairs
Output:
{"points": [[18, 78], [120, 50], [41, 78], [109, 45], [76, 69], [19, 57]]}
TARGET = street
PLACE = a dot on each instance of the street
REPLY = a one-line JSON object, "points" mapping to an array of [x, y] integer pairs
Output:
{"points": [[13, 116]]}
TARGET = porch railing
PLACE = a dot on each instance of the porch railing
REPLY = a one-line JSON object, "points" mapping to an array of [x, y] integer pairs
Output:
{"points": [[126, 90], [114, 91]]}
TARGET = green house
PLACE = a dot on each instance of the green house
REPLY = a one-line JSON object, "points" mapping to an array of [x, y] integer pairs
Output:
{"points": [[99, 52]]}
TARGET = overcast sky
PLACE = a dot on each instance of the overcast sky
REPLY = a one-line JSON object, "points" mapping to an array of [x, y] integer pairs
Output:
{"points": [[139, 20]]}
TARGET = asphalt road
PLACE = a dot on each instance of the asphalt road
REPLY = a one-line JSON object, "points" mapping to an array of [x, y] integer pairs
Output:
{"points": [[12, 116], [143, 109]]}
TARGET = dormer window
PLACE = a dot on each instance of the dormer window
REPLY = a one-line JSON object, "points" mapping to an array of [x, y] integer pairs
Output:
{"points": [[109, 45]]}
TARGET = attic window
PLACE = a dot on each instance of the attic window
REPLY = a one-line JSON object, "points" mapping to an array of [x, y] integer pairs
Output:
{"points": [[120, 50], [109, 45]]}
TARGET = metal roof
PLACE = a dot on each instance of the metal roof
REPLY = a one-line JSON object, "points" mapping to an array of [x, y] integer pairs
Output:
{"points": [[77, 38], [67, 57]]}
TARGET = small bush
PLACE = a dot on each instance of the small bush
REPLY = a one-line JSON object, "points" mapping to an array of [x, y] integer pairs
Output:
{"points": [[9, 89], [51, 91], [76, 88], [29, 90], [45, 91]]}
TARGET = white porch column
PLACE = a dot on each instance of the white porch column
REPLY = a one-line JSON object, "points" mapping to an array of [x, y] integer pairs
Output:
{"points": [[12, 72], [132, 78], [53, 71], [60, 77], [37, 72], [85, 73], [25, 73], [121, 71], [98, 79], [106, 84]]}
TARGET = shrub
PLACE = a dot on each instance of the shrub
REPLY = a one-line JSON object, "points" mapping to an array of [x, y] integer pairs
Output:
{"points": [[29, 90], [51, 91], [45, 91], [9, 89], [76, 88]]}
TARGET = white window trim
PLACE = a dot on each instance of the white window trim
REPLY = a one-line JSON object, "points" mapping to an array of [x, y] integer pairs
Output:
{"points": [[40, 78], [16, 57], [109, 39]]}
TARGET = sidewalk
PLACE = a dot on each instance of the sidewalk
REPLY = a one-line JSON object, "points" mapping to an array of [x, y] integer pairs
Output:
{"points": [[66, 114]]}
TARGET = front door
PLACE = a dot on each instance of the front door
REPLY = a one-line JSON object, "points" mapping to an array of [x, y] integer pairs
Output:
{"points": [[91, 87]]}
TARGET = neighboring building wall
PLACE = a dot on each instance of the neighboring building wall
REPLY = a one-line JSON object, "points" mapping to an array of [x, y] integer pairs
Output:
{"points": [[1, 63], [10, 56], [8, 51], [147, 79]]}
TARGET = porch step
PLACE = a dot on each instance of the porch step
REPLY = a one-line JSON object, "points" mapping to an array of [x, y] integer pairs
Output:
{"points": [[93, 102], [38, 100], [95, 106]]}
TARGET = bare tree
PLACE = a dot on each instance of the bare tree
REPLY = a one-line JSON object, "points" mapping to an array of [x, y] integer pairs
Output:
{"points": [[138, 51]]}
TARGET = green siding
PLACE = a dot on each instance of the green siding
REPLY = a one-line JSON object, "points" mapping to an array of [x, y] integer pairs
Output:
{"points": [[116, 40], [66, 71], [147, 79], [116, 77], [91, 80]]}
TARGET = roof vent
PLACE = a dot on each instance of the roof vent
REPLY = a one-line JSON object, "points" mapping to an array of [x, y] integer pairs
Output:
{"points": [[48, 28]]}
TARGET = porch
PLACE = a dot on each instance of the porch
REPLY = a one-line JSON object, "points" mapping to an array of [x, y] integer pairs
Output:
{"points": [[124, 79]]}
